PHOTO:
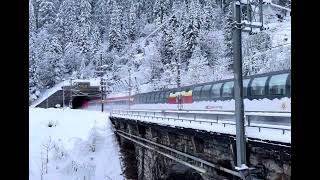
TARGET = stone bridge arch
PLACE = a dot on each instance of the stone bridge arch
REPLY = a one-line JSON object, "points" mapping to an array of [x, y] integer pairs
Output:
{"points": [[179, 171]]}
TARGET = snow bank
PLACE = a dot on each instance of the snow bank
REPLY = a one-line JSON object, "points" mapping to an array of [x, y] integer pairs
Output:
{"points": [[81, 145]]}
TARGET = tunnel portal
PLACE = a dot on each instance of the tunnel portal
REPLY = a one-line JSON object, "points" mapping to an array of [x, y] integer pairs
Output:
{"points": [[79, 102]]}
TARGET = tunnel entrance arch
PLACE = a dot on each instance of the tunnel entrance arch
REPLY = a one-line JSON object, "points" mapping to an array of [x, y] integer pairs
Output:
{"points": [[79, 102]]}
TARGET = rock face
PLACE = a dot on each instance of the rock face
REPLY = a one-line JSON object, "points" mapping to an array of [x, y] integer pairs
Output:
{"points": [[271, 161]]}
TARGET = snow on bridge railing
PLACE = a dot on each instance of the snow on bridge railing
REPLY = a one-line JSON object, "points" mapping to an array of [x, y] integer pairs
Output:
{"points": [[270, 126]]}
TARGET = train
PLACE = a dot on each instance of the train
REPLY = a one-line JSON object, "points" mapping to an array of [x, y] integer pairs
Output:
{"points": [[267, 92]]}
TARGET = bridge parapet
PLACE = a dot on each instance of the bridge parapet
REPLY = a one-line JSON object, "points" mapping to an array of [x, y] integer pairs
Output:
{"points": [[259, 125]]}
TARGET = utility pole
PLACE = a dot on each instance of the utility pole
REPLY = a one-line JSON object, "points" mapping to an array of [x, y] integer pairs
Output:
{"points": [[129, 102], [63, 95], [102, 83], [238, 85], [261, 11], [71, 93], [179, 81]]}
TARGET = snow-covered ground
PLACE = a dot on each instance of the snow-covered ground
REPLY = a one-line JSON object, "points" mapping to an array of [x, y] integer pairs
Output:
{"points": [[81, 145]]}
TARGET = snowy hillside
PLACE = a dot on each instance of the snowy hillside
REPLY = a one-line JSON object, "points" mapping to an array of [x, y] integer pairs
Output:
{"points": [[77, 144], [73, 38]]}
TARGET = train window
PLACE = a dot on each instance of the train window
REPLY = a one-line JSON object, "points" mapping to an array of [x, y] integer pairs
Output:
{"points": [[156, 97], [289, 85], [187, 90], [277, 84], [245, 87], [160, 97], [206, 91], [140, 99], [135, 99], [163, 99], [145, 98], [167, 96], [215, 90], [258, 86], [227, 90], [197, 92], [151, 98]]}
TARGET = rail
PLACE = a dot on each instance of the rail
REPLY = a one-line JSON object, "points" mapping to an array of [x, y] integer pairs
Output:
{"points": [[162, 150]]}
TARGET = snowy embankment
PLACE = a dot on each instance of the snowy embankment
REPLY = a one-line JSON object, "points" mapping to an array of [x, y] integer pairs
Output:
{"points": [[79, 145]]}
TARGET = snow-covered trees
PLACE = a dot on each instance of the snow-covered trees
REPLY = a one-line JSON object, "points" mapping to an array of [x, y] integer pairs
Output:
{"points": [[47, 13], [101, 16], [161, 10], [132, 32], [190, 29], [115, 35], [198, 69], [71, 58], [68, 38], [228, 34], [66, 22], [50, 65], [32, 19]]}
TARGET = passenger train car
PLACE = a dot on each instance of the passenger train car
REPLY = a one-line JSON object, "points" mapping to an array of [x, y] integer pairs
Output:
{"points": [[269, 92]]}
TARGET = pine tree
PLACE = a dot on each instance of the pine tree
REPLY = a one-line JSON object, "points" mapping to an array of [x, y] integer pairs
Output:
{"points": [[147, 10], [132, 32], [32, 19], [49, 59], [161, 9], [166, 47], [81, 30], [228, 36], [207, 17], [34, 85], [66, 22], [47, 13], [101, 16], [71, 58], [191, 28], [36, 6], [198, 70], [95, 38], [56, 4], [115, 35], [84, 12]]}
